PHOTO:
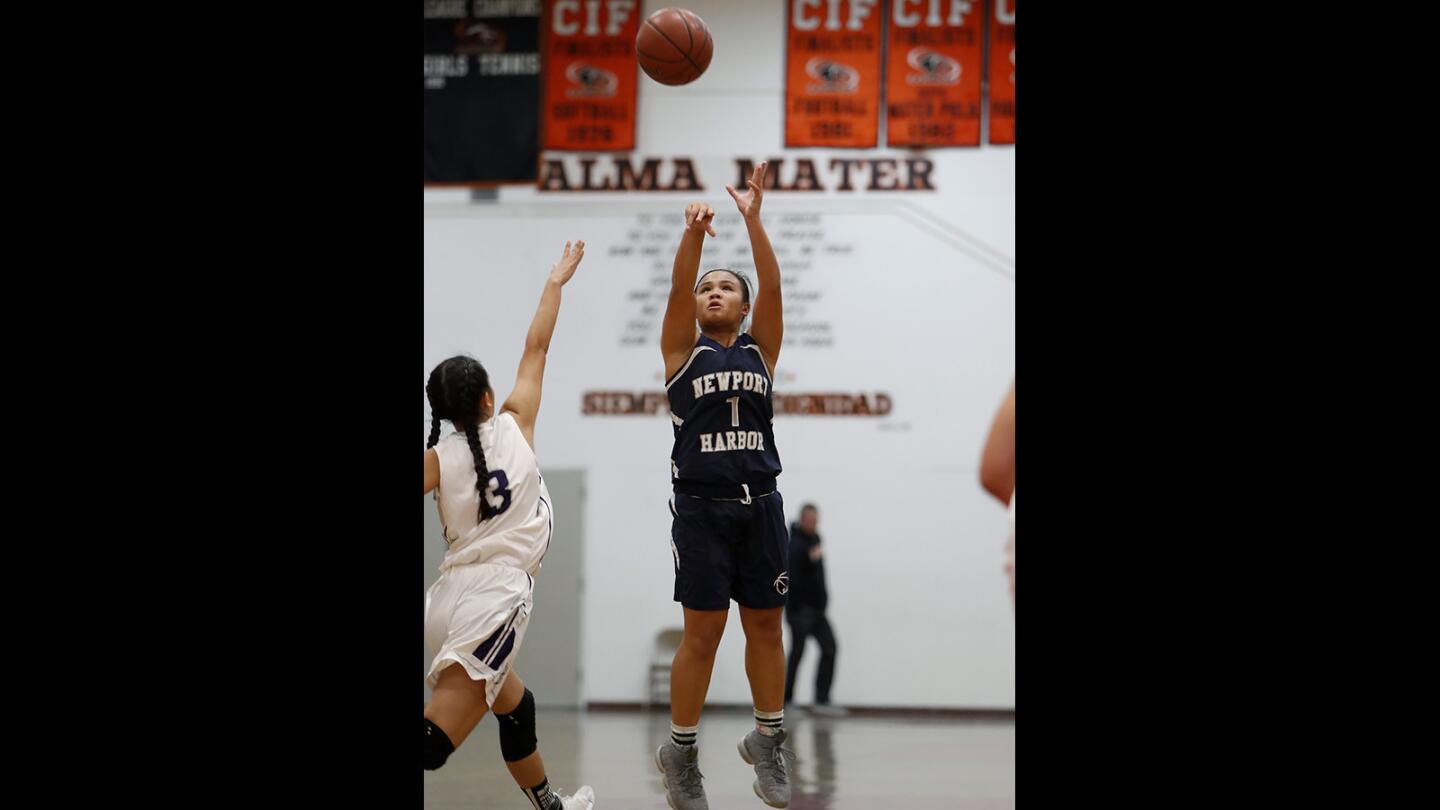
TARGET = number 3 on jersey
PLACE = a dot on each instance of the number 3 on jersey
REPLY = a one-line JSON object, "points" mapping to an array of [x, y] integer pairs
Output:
{"points": [[498, 492]]}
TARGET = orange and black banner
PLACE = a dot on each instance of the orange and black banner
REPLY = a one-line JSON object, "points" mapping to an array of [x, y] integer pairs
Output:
{"points": [[589, 67], [1002, 71], [932, 72], [832, 73]]}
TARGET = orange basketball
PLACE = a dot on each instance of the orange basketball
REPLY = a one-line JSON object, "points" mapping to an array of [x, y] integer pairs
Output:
{"points": [[674, 46]]}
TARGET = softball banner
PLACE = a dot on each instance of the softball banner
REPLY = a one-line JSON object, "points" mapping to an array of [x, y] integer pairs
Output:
{"points": [[588, 61]]}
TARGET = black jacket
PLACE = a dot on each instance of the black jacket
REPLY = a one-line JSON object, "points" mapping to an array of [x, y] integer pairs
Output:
{"points": [[807, 577]]}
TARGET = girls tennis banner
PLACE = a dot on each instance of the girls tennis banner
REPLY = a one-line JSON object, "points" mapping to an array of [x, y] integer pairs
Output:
{"points": [[832, 73], [1002, 72], [932, 76], [590, 72], [482, 65]]}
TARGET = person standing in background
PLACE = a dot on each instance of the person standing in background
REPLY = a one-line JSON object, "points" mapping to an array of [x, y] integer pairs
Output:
{"points": [[805, 610]]}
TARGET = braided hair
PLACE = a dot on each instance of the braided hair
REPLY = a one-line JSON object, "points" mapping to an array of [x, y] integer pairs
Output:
{"points": [[455, 390]]}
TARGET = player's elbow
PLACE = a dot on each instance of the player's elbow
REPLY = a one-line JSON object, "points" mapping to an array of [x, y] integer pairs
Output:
{"points": [[997, 479]]}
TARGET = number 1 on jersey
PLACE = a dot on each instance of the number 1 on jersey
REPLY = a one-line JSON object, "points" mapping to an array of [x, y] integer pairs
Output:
{"points": [[734, 411]]}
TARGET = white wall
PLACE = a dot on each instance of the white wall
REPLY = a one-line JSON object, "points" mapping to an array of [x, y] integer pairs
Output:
{"points": [[921, 307]]}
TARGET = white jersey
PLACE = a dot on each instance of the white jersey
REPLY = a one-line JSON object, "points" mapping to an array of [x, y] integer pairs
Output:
{"points": [[518, 534]]}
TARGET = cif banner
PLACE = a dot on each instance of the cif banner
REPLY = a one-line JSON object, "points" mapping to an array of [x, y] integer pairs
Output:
{"points": [[1002, 72], [590, 74], [932, 72], [482, 66], [832, 73]]}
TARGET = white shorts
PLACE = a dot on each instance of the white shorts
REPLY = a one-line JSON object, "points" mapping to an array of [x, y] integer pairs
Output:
{"points": [[475, 616]]}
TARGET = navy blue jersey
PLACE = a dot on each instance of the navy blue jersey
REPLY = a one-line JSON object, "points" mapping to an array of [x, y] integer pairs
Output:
{"points": [[721, 406]]}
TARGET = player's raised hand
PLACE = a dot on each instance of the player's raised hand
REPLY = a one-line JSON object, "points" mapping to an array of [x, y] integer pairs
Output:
{"points": [[749, 202], [565, 268], [700, 215]]}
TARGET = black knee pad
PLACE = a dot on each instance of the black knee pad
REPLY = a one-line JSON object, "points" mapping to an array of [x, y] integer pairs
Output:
{"points": [[517, 730], [438, 747]]}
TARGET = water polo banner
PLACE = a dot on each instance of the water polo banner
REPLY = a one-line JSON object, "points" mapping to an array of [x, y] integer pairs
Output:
{"points": [[482, 65], [933, 64], [588, 49], [1002, 71], [832, 73]]}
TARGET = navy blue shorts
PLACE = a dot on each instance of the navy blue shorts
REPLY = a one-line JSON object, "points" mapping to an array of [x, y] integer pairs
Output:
{"points": [[730, 550]]}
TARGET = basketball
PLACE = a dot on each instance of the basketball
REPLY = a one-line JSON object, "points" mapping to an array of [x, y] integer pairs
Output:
{"points": [[674, 46]]}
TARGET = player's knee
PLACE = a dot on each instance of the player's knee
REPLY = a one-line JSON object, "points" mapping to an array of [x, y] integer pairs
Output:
{"points": [[517, 729], [438, 747], [996, 479], [703, 640], [763, 627]]}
